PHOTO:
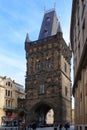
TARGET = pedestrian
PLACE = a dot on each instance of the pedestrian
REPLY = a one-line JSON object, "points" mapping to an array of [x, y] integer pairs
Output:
{"points": [[34, 125], [60, 127], [55, 126], [66, 126]]}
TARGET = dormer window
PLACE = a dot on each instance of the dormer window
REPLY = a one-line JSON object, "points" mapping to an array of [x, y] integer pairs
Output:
{"points": [[45, 30], [48, 18]]}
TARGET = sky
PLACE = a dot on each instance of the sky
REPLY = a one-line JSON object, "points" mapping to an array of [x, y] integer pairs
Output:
{"points": [[19, 17]]}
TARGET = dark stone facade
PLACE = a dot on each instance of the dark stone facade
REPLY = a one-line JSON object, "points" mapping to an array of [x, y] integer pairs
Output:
{"points": [[44, 59], [48, 84]]}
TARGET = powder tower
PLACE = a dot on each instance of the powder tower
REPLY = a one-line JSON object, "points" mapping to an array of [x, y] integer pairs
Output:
{"points": [[48, 83]]}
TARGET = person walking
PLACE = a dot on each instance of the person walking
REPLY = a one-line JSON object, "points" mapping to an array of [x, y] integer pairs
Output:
{"points": [[67, 126], [60, 127], [55, 126], [34, 125]]}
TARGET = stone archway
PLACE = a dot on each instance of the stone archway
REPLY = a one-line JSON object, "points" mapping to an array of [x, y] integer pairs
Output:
{"points": [[39, 112]]}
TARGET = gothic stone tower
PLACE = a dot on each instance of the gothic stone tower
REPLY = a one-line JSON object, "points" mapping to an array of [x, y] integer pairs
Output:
{"points": [[48, 84]]}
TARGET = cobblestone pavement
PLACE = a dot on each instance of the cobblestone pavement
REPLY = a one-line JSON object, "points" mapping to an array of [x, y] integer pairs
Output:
{"points": [[45, 128]]}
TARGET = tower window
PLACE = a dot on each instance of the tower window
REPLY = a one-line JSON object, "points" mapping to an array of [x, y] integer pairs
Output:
{"points": [[83, 7], [65, 67], [48, 63], [42, 89], [38, 65], [66, 91], [45, 31], [48, 18]]}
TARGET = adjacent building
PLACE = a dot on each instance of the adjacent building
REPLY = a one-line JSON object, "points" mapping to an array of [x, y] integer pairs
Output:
{"points": [[48, 82], [78, 37], [10, 92], [73, 117]]}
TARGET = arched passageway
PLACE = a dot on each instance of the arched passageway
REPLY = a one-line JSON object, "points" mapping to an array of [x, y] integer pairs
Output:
{"points": [[42, 113]]}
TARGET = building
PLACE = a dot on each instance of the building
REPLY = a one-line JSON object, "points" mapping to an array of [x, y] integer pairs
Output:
{"points": [[78, 36], [10, 91], [73, 119], [48, 83]]}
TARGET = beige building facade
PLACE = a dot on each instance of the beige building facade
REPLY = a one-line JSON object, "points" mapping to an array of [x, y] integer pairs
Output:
{"points": [[10, 91], [78, 36]]}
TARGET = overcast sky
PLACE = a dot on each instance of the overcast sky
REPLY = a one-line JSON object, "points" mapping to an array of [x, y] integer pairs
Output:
{"points": [[17, 17]]}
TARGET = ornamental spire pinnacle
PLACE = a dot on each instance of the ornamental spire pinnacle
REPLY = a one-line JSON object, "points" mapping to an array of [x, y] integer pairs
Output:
{"points": [[27, 38]]}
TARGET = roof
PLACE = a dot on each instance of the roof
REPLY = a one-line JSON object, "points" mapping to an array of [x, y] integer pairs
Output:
{"points": [[49, 25]]}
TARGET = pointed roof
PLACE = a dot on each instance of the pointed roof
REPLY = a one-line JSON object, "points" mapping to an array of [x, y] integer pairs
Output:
{"points": [[27, 38], [49, 24]]}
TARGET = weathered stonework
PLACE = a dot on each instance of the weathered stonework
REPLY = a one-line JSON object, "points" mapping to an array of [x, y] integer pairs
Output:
{"points": [[48, 84]]}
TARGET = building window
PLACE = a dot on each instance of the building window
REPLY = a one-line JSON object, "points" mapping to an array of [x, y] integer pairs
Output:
{"points": [[66, 91], [8, 83], [6, 92], [48, 18], [42, 89], [45, 31], [48, 63], [6, 103], [86, 88], [11, 93], [38, 65], [80, 96], [83, 7], [83, 30], [79, 49], [65, 67], [9, 103]]}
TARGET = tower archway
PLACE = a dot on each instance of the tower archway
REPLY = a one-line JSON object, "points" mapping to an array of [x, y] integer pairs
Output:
{"points": [[42, 113]]}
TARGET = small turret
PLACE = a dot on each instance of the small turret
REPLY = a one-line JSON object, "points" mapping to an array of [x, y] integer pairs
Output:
{"points": [[27, 40], [59, 30]]}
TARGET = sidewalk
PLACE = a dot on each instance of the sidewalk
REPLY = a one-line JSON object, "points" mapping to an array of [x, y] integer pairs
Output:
{"points": [[44, 128]]}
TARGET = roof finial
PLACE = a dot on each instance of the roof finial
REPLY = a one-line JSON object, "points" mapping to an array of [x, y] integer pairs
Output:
{"points": [[54, 5], [44, 9], [27, 38]]}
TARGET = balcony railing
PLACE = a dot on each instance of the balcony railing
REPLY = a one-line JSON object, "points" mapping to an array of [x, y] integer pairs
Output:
{"points": [[10, 108]]}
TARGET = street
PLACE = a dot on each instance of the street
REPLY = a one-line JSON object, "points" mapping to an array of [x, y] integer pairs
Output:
{"points": [[44, 128]]}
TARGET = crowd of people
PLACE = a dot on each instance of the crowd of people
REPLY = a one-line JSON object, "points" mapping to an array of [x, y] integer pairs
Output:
{"points": [[56, 126], [65, 125]]}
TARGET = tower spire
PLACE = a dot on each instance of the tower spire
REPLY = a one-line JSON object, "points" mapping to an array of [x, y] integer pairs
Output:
{"points": [[27, 38]]}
